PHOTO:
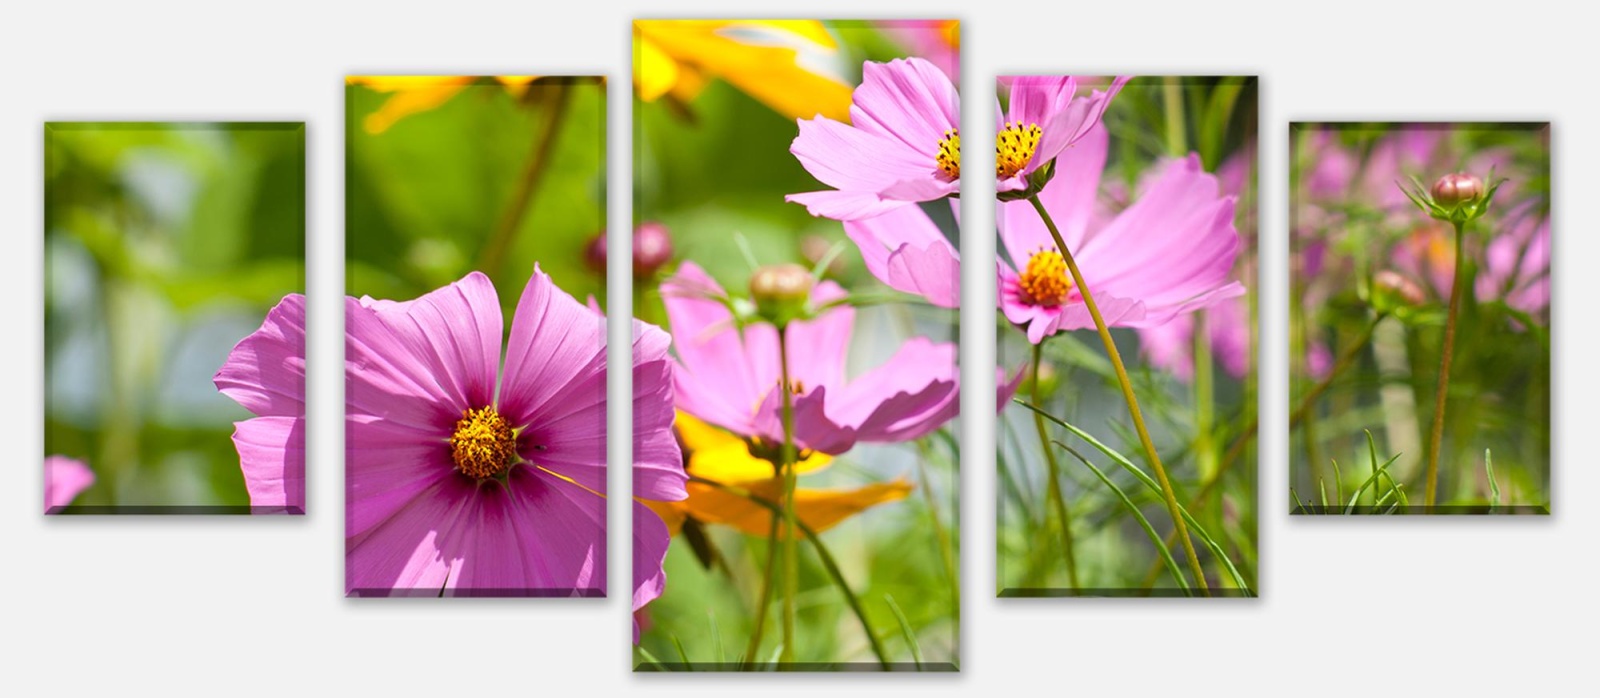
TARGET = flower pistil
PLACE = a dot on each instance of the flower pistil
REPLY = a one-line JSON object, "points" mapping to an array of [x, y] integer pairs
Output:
{"points": [[950, 155], [1044, 280], [484, 445], [1014, 147]]}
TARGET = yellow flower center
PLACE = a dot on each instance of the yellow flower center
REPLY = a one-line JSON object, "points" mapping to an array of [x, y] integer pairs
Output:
{"points": [[950, 155], [1013, 148], [484, 445], [1044, 280]]}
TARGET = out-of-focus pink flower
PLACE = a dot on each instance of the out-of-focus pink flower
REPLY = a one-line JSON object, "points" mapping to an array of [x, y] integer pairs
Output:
{"points": [[901, 145], [64, 478], [456, 488], [266, 374], [1169, 253], [1170, 346], [904, 249], [938, 41], [1319, 361], [731, 378], [1517, 264], [1044, 118]]}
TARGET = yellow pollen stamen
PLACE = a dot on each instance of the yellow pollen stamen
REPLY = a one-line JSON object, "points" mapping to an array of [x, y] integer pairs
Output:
{"points": [[950, 156], [1044, 280], [484, 445], [1013, 148]]}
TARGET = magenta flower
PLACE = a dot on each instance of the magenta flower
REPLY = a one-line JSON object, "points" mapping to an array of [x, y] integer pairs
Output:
{"points": [[1044, 119], [1169, 253], [455, 488], [266, 373], [730, 377], [64, 478], [901, 145], [905, 250]]}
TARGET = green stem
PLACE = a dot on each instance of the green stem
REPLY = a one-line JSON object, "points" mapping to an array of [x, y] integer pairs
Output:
{"points": [[532, 173], [752, 648], [1167, 492], [1058, 502], [1204, 398], [1172, 97], [828, 563], [791, 555], [1440, 396]]}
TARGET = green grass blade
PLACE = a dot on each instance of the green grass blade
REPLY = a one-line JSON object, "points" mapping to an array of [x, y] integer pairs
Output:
{"points": [[905, 630], [1494, 487]]}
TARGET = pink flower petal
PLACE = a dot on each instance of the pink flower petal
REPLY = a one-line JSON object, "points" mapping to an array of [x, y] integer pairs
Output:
{"points": [[454, 331], [555, 343], [657, 458], [266, 371], [650, 541], [64, 479], [387, 466], [904, 249], [272, 453], [845, 205], [908, 99]]}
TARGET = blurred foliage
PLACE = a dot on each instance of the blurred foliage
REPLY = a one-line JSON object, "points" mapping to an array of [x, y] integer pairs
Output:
{"points": [[715, 170], [471, 185], [164, 245]]}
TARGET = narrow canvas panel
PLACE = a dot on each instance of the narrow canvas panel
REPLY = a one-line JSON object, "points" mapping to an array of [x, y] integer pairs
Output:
{"points": [[1419, 318], [174, 321], [795, 240], [475, 342], [1127, 277]]}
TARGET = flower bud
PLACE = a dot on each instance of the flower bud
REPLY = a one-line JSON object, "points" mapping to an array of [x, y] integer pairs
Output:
{"points": [[1457, 188], [652, 248], [781, 291], [1392, 291], [594, 253]]}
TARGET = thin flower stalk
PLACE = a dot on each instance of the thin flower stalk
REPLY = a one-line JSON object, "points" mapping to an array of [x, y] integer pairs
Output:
{"points": [[1436, 435], [791, 549], [1058, 502]]}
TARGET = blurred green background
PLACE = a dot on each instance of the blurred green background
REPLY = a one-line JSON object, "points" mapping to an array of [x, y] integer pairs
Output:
{"points": [[165, 244], [497, 176], [715, 170]]}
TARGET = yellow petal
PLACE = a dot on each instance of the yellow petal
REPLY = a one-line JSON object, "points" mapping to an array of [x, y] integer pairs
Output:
{"points": [[718, 455], [409, 94], [774, 61], [819, 509], [654, 72]]}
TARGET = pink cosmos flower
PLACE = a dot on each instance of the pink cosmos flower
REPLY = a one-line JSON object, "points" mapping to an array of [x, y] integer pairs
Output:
{"points": [[1044, 119], [901, 145], [64, 478], [731, 378], [905, 250], [266, 374], [455, 488], [1168, 253]]}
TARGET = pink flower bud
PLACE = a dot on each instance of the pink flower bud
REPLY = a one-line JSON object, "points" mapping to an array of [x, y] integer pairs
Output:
{"points": [[1457, 188], [594, 254], [652, 248]]}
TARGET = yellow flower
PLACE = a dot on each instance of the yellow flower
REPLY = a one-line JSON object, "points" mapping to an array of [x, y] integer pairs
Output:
{"points": [[721, 457], [774, 61], [410, 94]]}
